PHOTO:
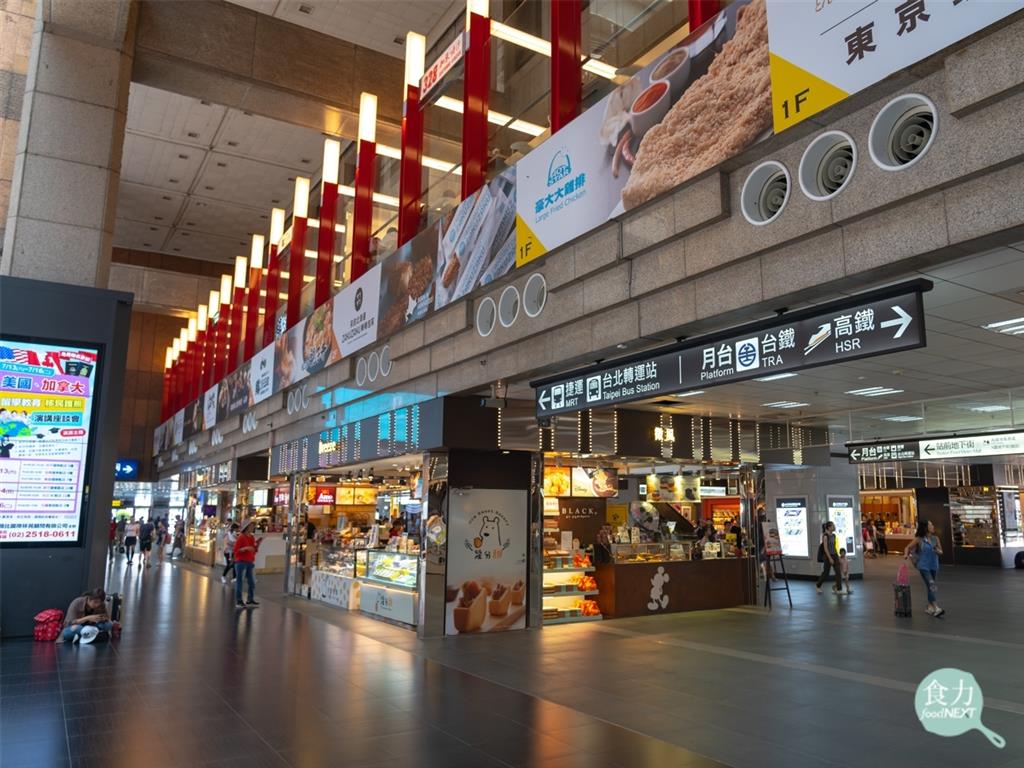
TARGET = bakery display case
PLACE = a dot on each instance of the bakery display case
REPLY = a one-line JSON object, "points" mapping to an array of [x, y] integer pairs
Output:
{"points": [[388, 584], [200, 544], [390, 569], [569, 588]]}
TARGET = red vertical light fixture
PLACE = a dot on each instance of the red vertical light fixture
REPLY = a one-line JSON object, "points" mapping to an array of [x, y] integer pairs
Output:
{"points": [[165, 399], [362, 211], [328, 218], [476, 96], [220, 360], [702, 10], [410, 185], [210, 353], [273, 297], [183, 362], [566, 66], [175, 372], [193, 360], [297, 257], [201, 343], [237, 310], [252, 300]]}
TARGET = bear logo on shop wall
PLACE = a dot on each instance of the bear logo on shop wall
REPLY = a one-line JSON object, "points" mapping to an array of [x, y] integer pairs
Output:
{"points": [[490, 533], [659, 600]]}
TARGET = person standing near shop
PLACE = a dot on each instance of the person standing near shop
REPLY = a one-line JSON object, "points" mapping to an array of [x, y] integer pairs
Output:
{"points": [[883, 548], [178, 545], [246, 546], [924, 553], [162, 539], [131, 538], [146, 532], [828, 556]]}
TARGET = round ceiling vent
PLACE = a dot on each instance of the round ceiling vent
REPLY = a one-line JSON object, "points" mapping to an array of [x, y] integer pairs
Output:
{"points": [[827, 165], [373, 366], [765, 193], [535, 294], [385, 360], [360, 371], [902, 132], [508, 306], [486, 316]]}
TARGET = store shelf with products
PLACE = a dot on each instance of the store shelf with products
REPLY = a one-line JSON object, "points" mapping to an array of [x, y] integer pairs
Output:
{"points": [[986, 525], [389, 584], [200, 544], [568, 587]]}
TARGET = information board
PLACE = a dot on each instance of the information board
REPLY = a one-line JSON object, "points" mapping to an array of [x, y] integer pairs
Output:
{"points": [[791, 520], [842, 513], [46, 404]]}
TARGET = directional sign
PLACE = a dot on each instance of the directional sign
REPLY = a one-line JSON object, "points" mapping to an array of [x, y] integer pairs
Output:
{"points": [[875, 323], [869, 454], [997, 444]]}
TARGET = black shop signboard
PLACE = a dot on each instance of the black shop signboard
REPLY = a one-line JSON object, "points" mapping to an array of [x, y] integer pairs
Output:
{"points": [[582, 516], [875, 323]]}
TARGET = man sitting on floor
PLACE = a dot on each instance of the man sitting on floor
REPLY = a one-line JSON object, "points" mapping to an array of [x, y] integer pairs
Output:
{"points": [[86, 618]]}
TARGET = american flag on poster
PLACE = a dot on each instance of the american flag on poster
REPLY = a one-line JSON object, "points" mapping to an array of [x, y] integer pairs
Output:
{"points": [[19, 355]]}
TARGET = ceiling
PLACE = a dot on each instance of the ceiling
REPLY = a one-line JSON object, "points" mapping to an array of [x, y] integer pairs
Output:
{"points": [[378, 25], [959, 381], [198, 178]]}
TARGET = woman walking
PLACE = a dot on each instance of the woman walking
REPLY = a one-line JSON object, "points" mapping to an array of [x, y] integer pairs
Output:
{"points": [[924, 553], [131, 538], [828, 556]]}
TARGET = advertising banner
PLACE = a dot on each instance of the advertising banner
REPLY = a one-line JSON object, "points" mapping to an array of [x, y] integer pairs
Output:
{"points": [[193, 419], [701, 102], [841, 512], [486, 569], [407, 282], [46, 404], [178, 428], [772, 544], [477, 241], [307, 348], [235, 395], [355, 312], [162, 437], [595, 481], [210, 407], [582, 518], [261, 373], [824, 51]]}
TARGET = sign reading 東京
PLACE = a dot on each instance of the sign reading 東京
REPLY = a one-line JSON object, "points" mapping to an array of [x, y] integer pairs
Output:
{"points": [[875, 323], [953, 447]]}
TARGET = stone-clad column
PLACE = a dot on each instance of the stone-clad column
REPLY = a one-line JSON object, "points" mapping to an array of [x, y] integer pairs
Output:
{"points": [[17, 18], [60, 221]]}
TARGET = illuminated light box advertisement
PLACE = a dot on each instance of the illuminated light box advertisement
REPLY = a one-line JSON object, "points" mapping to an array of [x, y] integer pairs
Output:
{"points": [[46, 404], [841, 512], [704, 100], [791, 520]]}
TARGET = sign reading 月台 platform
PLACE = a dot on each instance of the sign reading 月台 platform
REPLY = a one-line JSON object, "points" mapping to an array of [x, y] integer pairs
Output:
{"points": [[821, 51], [862, 326], [46, 403]]}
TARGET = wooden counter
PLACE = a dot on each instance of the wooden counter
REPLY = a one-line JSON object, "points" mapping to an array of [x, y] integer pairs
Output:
{"points": [[630, 589]]}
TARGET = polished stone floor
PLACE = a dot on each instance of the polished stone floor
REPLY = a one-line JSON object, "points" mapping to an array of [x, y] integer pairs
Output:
{"points": [[293, 683]]}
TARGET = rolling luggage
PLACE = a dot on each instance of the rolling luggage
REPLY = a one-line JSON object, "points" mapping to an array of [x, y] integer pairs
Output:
{"points": [[901, 599]]}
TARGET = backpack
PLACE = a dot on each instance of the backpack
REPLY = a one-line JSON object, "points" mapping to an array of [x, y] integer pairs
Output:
{"points": [[48, 625]]}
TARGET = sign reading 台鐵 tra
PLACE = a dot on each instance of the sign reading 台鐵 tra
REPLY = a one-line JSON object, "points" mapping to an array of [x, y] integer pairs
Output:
{"points": [[821, 51], [862, 326]]}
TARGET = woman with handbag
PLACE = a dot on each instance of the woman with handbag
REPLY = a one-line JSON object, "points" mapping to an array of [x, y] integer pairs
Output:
{"points": [[828, 556], [924, 553]]}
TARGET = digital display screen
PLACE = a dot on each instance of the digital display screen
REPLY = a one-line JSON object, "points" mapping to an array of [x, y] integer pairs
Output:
{"points": [[46, 405], [840, 512], [791, 520]]}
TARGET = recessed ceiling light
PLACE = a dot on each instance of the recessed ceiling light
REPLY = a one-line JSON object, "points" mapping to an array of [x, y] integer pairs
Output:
{"points": [[874, 391], [903, 418], [989, 408], [620, 346], [1003, 323], [784, 404], [691, 393], [777, 376]]}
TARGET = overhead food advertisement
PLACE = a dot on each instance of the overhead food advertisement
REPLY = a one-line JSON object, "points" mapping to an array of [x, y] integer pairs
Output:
{"points": [[823, 51], [477, 240], [235, 395], [355, 312], [192, 419], [486, 568], [407, 282], [308, 347], [47, 394], [698, 104]]}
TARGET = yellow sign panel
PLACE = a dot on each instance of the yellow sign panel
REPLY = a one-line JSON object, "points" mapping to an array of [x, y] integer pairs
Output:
{"points": [[616, 514], [528, 245], [797, 94]]}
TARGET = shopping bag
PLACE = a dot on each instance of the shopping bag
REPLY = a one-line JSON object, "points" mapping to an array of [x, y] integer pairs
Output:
{"points": [[903, 575]]}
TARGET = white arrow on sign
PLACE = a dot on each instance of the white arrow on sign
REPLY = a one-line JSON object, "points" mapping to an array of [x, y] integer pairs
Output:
{"points": [[903, 320], [855, 454], [544, 399]]}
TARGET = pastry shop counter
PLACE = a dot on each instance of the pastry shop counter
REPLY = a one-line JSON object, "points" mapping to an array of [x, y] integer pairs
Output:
{"points": [[651, 586], [388, 584]]}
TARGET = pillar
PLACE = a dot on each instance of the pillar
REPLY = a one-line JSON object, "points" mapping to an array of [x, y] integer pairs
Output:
{"points": [[566, 66], [60, 220], [476, 97]]}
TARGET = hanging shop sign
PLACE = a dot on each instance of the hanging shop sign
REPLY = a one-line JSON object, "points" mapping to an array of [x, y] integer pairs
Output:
{"points": [[821, 52], [863, 326], [435, 74], [321, 494], [841, 512], [953, 447], [47, 394], [791, 520], [650, 134], [486, 568]]}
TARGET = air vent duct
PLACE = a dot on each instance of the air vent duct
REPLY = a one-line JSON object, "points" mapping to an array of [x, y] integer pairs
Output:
{"points": [[902, 132], [765, 193], [827, 165], [486, 316]]}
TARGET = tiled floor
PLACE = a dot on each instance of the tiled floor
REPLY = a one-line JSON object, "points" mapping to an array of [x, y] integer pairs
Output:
{"points": [[830, 683]]}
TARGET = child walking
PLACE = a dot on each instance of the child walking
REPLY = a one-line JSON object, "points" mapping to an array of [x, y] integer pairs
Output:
{"points": [[844, 569]]}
